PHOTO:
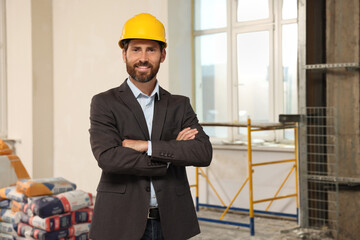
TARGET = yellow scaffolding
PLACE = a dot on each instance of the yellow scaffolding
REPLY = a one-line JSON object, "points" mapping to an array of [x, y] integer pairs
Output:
{"points": [[252, 128]]}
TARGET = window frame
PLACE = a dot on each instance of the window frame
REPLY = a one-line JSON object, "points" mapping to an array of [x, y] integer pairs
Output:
{"points": [[273, 24]]}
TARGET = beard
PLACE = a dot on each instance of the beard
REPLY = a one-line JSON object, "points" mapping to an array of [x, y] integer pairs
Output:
{"points": [[142, 77]]}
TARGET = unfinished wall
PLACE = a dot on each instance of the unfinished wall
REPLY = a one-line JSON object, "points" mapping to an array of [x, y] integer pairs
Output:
{"points": [[343, 46], [19, 78], [30, 83], [43, 93], [87, 61], [61, 53]]}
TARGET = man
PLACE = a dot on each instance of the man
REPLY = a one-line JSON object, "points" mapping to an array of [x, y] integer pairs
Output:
{"points": [[143, 137]]}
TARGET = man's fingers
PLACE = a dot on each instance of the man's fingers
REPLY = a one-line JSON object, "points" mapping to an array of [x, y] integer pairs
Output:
{"points": [[182, 133], [187, 134], [137, 145]]}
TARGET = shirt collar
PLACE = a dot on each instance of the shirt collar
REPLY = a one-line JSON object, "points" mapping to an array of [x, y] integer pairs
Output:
{"points": [[137, 92]]}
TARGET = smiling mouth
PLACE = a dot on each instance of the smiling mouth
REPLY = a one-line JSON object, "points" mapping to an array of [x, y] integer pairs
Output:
{"points": [[143, 69]]}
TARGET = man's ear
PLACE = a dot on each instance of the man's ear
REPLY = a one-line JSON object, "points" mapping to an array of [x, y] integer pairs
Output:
{"points": [[124, 55], [163, 55]]}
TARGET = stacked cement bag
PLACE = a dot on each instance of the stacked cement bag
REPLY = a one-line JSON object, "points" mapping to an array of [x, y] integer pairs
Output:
{"points": [[9, 219], [47, 209]]}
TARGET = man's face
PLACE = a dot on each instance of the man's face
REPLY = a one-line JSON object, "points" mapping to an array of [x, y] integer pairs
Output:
{"points": [[143, 58]]}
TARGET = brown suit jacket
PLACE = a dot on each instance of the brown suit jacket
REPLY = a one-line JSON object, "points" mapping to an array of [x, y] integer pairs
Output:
{"points": [[123, 193]]}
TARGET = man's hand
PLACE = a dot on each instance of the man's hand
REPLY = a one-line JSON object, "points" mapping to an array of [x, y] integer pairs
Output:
{"points": [[187, 134], [142, 146], [137, 145]]}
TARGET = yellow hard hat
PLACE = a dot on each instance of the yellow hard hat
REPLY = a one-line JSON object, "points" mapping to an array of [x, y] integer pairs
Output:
{"points": [[143, 26]]}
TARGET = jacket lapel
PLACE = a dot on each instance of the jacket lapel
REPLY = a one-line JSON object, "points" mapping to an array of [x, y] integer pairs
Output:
{"points": [[159, 114], [129, 99]]}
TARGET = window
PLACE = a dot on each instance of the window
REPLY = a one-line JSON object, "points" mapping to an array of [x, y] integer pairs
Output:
{"points": [[245, 63], [3, 98]]}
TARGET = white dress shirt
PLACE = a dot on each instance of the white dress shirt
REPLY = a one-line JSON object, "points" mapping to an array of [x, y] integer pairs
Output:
{"points": [[147, 104]]}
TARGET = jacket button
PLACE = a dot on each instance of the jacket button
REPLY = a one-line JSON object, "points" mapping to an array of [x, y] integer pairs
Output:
{"points": [[147, 189]]}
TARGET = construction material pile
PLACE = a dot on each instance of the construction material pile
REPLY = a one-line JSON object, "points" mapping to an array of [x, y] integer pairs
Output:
{"points": [[44, 209], [11, 167]]}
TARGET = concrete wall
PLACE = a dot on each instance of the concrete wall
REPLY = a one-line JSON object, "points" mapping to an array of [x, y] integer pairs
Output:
{"points": [[343, 93]]}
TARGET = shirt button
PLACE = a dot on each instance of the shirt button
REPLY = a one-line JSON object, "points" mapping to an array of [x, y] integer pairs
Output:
{"points": [[147, 189]]}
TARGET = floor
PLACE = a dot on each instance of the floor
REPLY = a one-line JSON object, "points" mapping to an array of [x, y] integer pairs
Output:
{"points": [[265, 229]]}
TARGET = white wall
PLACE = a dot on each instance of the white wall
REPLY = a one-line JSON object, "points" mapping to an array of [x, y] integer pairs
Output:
{"points": [[87, 60], [19, 78]]}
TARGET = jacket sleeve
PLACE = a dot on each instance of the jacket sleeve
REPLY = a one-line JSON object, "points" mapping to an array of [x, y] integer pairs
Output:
{"points": [[196, 152], [106, 144]]}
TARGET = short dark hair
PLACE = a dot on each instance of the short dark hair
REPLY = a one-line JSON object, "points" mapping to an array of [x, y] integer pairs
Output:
{"points": [[126, 42]]}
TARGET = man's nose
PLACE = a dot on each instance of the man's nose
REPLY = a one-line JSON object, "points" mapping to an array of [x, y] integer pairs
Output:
{"points": [[144, 56]]}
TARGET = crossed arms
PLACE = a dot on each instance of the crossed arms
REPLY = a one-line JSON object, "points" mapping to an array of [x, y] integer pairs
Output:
{"points": [[142, 146], [118, 154]]}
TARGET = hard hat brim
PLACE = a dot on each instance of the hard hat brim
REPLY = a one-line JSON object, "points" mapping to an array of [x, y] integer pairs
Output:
{"points": [[121, 44]]}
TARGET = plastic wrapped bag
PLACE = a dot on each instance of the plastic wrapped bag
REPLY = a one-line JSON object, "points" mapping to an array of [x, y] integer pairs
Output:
{"points": [[82, 216], [9, 216], [8, 228], [73, 231], [44, 186], [5, 203], [48, 224], [59, 204], [5, 236], [17, 206], [12, 194]]}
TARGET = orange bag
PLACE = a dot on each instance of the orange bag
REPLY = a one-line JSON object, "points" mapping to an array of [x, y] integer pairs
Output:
{"points": [[4, 148]]}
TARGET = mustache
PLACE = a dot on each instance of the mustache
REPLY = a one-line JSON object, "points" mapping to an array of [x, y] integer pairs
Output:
{"points": [[143, 64]]}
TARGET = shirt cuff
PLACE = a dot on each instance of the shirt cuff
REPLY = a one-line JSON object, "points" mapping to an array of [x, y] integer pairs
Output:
{"points": [[149, 151]]}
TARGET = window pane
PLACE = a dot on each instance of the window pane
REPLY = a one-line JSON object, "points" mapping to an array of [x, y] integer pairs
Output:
{"points": [[289, 57], [289, 9], [211, 81], [253, 76], [210, 14], [249, 10]]}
